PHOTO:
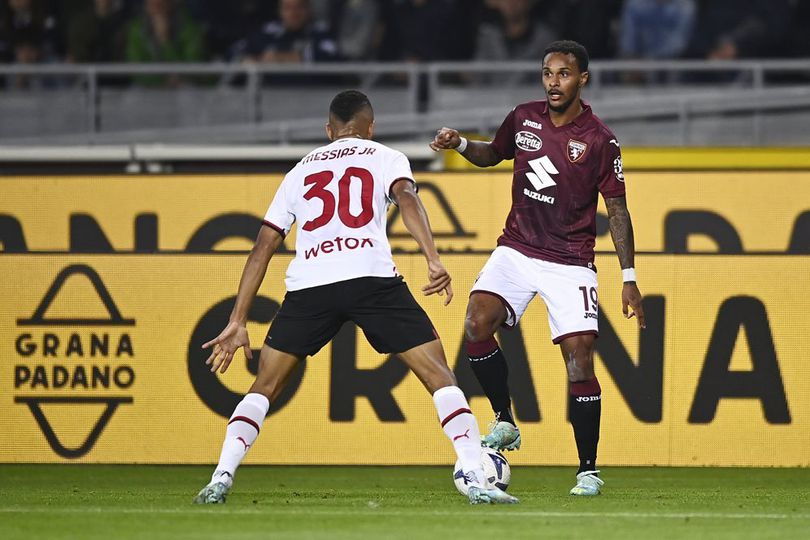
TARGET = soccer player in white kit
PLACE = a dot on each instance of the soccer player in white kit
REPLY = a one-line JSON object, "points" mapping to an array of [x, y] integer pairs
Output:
{"points": [[343, 271]]}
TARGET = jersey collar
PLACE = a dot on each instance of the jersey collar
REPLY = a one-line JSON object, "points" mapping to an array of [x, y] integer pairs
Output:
{"points": [[580, 120]]}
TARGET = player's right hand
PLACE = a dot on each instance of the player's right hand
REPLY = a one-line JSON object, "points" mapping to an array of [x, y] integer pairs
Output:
{"points": [[445, 139], [439, 281], [225, 346], [631, 304]]}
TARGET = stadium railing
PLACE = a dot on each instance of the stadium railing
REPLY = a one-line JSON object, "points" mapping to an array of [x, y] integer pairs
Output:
{"points": [[750, 102]]}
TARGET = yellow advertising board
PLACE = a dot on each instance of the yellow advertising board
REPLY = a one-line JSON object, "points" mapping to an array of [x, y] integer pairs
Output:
{"points": [[675, 212], [101, 363]]}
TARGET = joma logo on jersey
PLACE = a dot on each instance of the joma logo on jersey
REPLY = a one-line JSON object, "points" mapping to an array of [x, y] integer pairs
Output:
{"points": [[576, 150], [532, 124], [338, 244], [528, 141]]}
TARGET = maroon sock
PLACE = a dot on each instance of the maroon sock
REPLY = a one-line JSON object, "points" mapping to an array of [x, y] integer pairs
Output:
{"points": [[584, 412], [489, 365]]}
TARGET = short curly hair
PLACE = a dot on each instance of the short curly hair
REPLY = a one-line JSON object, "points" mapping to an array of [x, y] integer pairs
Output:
{"points": [[347, 104], [566, 46]]}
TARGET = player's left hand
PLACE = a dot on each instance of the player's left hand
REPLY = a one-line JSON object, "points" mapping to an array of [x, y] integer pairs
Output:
{"points": [[439, 281], [225, 346], [631, 297]]}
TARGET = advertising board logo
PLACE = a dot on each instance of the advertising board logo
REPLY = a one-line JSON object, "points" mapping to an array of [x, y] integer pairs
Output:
{"points": [[74, 361]]}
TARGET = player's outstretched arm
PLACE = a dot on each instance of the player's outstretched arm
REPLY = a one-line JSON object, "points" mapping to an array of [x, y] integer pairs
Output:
{"points": [[621, 231], [478, 153], [416, 221], [235, 333]]}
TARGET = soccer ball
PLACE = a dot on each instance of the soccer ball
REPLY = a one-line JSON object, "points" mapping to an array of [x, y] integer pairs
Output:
{"points": [[496, 470]]}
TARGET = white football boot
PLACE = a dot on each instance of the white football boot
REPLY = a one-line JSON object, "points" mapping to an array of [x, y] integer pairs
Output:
{"points": [[216, 491], [502, 435], [588, 484], [478, 494]]}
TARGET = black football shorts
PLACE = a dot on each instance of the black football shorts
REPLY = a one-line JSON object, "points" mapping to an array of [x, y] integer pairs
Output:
{"points": [[382, 307]]}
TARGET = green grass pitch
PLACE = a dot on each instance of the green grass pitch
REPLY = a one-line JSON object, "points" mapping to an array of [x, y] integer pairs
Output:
{"points": [[154, 502]]}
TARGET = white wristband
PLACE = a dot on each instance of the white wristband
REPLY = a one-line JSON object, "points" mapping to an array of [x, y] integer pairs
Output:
{"points": [[462, 145], [629, 274]]}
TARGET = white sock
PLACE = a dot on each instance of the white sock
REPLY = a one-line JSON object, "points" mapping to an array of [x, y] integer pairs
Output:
{"points": [[243, 428], [461, 428]]}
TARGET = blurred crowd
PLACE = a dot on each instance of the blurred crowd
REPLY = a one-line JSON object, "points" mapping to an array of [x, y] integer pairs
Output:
{"points": [[301, 31]]}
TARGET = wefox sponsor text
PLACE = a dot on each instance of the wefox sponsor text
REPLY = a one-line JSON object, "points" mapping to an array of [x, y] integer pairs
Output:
{"points": [[338, 244]]}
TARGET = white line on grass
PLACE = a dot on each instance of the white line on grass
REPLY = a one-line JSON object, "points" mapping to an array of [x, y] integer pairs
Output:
{"points": [[230, 510]]}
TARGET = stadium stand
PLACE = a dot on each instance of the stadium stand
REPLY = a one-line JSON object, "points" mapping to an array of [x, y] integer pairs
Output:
{"points": [[170, 71]]}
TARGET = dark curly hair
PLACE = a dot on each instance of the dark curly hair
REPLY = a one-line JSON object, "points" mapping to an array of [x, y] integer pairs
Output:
{"points": [[566, 46]]}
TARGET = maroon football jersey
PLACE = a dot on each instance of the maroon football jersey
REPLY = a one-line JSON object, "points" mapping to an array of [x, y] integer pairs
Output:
{"points": [[558, 175]]}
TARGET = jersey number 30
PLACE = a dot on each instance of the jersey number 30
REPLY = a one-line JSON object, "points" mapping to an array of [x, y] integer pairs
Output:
{"points": [[320, 180]]}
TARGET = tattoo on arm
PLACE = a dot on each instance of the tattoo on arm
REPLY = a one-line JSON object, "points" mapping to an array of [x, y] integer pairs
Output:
{"points": [[621, 230], [481, 154]]}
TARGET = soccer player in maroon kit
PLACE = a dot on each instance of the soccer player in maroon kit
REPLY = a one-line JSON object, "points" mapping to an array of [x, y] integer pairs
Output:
{"points": [[564, 156]]}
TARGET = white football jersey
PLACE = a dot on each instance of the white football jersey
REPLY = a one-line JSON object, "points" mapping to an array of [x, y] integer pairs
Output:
{"points": [[339, 196]]}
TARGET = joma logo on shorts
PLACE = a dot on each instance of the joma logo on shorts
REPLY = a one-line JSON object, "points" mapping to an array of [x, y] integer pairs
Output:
{"points": [[338, 244], [590, 316], [589, 398]]}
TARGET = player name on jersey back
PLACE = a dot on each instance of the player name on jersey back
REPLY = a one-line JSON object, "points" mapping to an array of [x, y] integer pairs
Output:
{"points": [[338, 195], [336, 153]]}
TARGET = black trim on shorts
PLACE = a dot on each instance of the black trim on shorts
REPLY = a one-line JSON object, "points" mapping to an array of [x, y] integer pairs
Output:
{"points": [[383, 308]]}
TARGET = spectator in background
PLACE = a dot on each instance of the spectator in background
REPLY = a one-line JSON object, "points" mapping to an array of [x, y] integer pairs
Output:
{"points": [[514, 35], [164, 32], [28, 35], [656, 29], [96, 34], [295, 38], [427, 30], [799, 41], [225, 23], [593, 23], [358, 28], [730, 29]]}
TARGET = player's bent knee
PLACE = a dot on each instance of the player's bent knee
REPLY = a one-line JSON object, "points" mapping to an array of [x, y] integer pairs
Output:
{"points": [[579, 368], [275, 368], [580, 375], [441, 379], [428, 363], [477, 328], [435, 375]]}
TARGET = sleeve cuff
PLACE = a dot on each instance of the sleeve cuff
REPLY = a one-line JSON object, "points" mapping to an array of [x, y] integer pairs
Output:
{"points": [[275, 227], [391, 187]]}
